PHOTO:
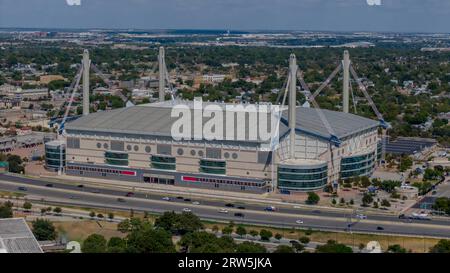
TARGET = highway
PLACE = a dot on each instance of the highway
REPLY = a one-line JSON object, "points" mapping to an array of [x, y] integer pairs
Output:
{"points": [[285, 217]]}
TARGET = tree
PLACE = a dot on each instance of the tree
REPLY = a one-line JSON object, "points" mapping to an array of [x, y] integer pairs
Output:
{"points": [[116, 245], [227, 230], [304, 240], [253, 233], [149, 240], [43, 230], [215, 229], [313, 198], [367, 199], [365, 182], [250, 247], [15, 164], [123, 226], [297, 246], [6, 210], [284, 249], [385, 203], [92, 214], [204, 242], [241, 231], [278, 236], [405, 163], [333, 201], [110, 216], [265, 234], [57, 210], [333, 247], [396, 249], [94, 243], [27, 206], [100, 216], [179, 224], [443, 246]]}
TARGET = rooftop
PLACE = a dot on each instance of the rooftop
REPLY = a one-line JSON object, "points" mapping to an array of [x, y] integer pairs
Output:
{"points": [[155, 120], [16, 237]]}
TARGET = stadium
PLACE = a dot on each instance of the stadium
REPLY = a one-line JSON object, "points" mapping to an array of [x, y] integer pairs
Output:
{"points": [[136, 144]]}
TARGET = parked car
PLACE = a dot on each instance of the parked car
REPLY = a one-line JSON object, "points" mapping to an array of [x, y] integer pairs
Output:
{"points": [[238, 214]]}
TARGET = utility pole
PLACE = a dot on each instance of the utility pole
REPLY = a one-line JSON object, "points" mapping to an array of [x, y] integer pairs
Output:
{"points": [[86, 67], [346, 81], [162, 78]]}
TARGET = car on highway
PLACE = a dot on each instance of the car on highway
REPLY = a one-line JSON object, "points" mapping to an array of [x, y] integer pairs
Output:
{"points": [[187, 210], [180, 197], [241, 207], [187, 200], [229, 205], [299, 222], [73, 197], [95, 191], [49, 185], [22, 189], [120, 200], [316, 211], [297, 207], [238, 214], [361, 216], [270, 208], [195, 203], [166, 198], [129, 194], [223, 211], [380, 228], [80, 186]]}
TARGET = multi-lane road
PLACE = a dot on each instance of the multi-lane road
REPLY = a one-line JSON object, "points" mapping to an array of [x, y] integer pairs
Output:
{"points": [[253, 213]]}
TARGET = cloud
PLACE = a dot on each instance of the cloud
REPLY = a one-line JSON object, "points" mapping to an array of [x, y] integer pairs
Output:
{"points": [[73, 2], [374, 2]]}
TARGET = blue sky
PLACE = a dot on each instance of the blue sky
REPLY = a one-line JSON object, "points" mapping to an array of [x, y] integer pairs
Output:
{"points": [[330, 15]]}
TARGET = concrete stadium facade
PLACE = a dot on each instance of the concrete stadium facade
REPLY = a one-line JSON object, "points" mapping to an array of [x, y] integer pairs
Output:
{"points": [[135, 144]]}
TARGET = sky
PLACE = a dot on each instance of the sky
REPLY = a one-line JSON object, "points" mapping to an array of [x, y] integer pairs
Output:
{"points": [[323, 15]]}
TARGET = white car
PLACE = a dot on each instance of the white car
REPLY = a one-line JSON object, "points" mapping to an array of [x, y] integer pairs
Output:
{"points": [[166, 198], [299, 222], [223, 211], [361, 216], [195, 203], [297, 207], [187, 210]]}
